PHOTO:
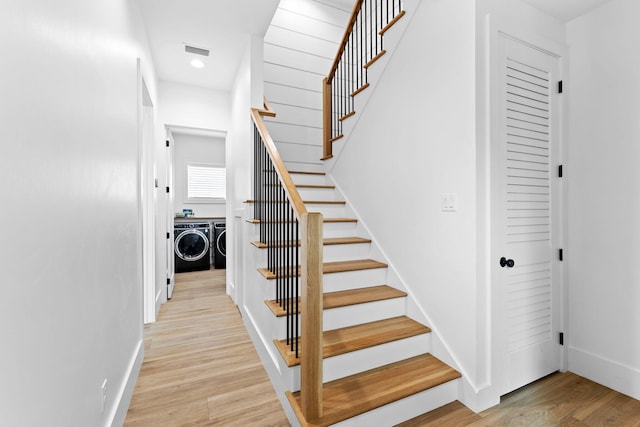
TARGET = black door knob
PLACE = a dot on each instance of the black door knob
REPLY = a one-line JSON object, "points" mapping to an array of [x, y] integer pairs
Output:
{"points": [[507, 262]]}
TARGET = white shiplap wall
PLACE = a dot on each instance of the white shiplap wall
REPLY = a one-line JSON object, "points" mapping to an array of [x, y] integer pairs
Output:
{"points": [[299, 48]]}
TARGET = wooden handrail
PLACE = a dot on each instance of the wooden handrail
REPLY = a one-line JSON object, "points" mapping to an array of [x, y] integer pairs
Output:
{"points": [[345, 39], [311, 247], [289, 187]]}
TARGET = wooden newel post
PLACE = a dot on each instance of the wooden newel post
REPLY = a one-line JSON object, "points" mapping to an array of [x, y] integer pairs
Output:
{"points": [[327, 151], [311, 311]]}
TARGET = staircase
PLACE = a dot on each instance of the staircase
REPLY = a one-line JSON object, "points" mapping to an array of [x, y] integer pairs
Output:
{"points": [[372, 350], [377, 369]]}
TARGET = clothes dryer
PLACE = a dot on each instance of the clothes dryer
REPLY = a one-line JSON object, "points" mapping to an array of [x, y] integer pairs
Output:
{"points": [[192, 246], [220, 244]]}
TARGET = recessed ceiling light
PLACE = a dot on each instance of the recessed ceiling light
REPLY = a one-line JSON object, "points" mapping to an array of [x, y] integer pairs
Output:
{"points": [[196, 63]]}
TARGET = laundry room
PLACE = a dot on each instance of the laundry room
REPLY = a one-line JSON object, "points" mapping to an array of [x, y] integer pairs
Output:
{"points": [[200, 200]]}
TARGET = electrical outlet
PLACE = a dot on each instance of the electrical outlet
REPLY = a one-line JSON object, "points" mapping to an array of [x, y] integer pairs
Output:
{"points": [[103, 388]]}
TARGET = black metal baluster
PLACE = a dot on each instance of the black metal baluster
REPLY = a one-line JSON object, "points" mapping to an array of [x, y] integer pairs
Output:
{"points": [[291, 275], [359, 32], [272, 226], [351, 71], [285, 243], [344, 87], [263, 192], [297, 264]]}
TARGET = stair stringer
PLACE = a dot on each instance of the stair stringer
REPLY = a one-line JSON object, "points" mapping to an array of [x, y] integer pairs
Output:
{"points": [[477, 398]]}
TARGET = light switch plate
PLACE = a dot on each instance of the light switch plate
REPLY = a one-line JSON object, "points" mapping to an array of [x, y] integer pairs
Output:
{"points": [[449, 202]]}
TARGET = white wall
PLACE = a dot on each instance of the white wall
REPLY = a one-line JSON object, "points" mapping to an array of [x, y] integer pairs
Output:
{"points": [[604, 196], [196, 149], [414, 142], [300, 46], [71, 250], [247, 93], [194, 106]]}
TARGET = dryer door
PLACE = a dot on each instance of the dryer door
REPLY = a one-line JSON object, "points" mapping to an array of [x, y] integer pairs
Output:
{"points": [[191, 245]]}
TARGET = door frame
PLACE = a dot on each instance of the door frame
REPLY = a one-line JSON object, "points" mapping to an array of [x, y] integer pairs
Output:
{"points": [[169, 211], [498, 30], [146, 189]]}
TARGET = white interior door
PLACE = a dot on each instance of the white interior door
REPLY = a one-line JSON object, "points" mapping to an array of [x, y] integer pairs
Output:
{"points": [[525, 211]]}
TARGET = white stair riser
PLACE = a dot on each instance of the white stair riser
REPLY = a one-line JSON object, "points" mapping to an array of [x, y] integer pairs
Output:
{"points": [[342, 317], [317, 193], [339, 229], [330, 229], [299, 166], [327, 211], [346, 252], [407, 408], [354, 279], [335, 282], [331, 253], [369, 358], [339, 252], [309, 179]]}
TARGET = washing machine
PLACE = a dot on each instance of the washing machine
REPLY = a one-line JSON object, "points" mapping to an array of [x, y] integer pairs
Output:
{"points": [[220, 244], [192, 246]]}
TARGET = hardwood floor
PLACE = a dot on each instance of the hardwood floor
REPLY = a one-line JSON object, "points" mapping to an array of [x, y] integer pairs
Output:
{"points": [[200, 366], [201, 369], [561, 399]]}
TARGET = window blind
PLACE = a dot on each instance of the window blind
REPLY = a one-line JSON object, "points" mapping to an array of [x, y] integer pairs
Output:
{"points": [[206, 182]]}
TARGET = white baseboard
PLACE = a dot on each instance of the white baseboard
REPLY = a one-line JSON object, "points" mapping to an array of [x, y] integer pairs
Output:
{"points": [[477, 400], [617, 376], [119, 410]]}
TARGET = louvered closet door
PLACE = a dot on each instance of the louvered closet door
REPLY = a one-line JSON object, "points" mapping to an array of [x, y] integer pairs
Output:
{"points": [[527, 227]]}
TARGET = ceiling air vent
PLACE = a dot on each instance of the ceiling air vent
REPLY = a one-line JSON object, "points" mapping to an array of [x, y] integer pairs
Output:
{"points": [[196, 50]]}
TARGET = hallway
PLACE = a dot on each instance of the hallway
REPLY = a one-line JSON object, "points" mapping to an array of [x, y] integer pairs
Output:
{"points": [[200, 367]]}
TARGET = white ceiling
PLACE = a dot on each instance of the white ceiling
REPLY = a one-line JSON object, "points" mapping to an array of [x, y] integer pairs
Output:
{"points": [[566, 10], [222, 26]]}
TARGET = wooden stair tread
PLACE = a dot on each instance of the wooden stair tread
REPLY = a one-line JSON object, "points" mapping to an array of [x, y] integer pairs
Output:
{"points": [[348, 397], [309, 202], [374, 59], [358, 337], [330, 187], [327, 241], [326, 220], [357, 91], [391, 23], [306, 173], [333, 220], [335, 267], [346, 298]]}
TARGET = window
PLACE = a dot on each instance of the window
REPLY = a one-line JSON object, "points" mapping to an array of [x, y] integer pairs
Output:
{"points": [[206, 183]]}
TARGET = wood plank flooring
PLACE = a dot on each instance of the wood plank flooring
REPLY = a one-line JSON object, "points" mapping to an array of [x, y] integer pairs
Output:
{"points": [[561, 399], [200, 366]]}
